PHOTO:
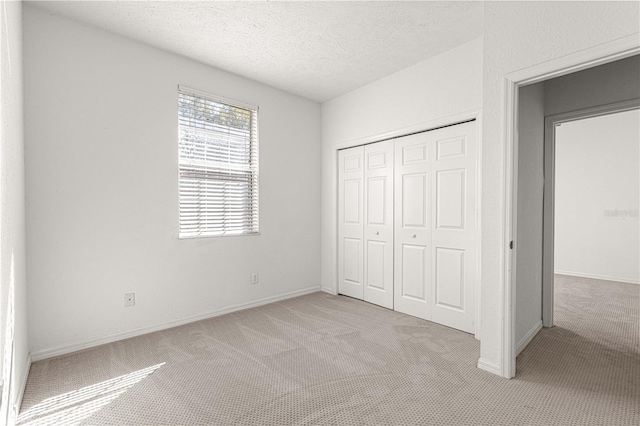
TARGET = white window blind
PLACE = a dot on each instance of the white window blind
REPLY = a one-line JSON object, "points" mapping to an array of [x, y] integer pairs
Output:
{"points": [[218, 162]]}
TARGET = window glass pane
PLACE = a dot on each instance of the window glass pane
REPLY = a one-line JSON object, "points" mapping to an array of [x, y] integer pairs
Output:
{"points": [[218, 167]]}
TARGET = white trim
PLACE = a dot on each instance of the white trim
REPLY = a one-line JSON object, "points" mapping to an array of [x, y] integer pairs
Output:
{"points": [[528, 337], [578, 61], [215, 98], [242, 234], [598, 277], [596, 111], [478, 216], [548, 221], [588, 58], [22, 386], [89, 343], [509, 218], [548, 262], [334, 220], [488, 366]]}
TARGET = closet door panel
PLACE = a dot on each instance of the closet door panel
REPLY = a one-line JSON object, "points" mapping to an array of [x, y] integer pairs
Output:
{"points": [[414, 273], [412, 233], [378, 226], [350, 222], [453, 234], [449, 281]]}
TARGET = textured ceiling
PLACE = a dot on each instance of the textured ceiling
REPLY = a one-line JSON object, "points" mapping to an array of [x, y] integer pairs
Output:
{"points": [[318, 50]]}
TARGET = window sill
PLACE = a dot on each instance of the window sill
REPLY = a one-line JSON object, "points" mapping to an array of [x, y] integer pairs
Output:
{"points": [[193, 237]]}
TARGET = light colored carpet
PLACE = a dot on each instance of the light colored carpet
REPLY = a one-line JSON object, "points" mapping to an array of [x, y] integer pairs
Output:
{"points": [[326, 360]]}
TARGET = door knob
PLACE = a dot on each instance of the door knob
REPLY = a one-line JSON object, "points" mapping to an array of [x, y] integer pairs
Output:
{"points": [[413, 235], [377, 233]]}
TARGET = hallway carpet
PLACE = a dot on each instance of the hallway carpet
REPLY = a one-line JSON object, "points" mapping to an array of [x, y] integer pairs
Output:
{"points": [[326, 360]]}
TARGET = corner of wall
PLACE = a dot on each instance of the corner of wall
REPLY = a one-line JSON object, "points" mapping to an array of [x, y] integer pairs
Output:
{"points": [[12, 212], [489, 367], [22, 385]]}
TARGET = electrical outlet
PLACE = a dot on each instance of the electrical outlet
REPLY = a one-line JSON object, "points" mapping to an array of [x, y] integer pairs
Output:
{"points": [[129, 299], [254, 278]]}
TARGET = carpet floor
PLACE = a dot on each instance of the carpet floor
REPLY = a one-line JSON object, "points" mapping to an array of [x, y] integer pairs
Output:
{"points": [[326, 360]]}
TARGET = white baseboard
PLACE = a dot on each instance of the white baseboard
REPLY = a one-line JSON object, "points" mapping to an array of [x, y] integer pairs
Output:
{"points": [[597, 277], [528, 337], [89, 343], [21, 387], [329, 290], [489, 366]]}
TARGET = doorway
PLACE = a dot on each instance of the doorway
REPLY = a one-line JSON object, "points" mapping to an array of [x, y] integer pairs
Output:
{"points": [[591, 205], [568, 84]]}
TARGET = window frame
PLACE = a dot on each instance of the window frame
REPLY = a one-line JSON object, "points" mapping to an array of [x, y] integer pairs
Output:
{"points": [[253, 167]]}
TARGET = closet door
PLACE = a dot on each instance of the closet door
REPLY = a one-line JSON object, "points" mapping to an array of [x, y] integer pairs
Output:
{"points": [[412, 237], [350, 222], [434, 229], [406, 231], [378, 226], [453, 207]]}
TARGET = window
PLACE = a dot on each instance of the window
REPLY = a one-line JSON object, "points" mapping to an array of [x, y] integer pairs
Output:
{"points": [[218, 162]]}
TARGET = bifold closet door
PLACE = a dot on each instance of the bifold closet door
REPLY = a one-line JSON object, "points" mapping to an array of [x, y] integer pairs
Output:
{"points": [[412, 226], [350, 222], [365, 228], [406, 224], [378, 225], [434, 274], [454, 228]]}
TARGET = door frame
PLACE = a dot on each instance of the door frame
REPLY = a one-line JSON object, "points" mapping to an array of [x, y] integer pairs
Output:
{"points": [[588, 58], [548, 244], [426, 126]]}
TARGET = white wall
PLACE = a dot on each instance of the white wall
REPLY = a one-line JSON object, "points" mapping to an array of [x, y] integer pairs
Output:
{"points": [[12, 206], [528, 237], [518, 35], [102, 191], [597, 188], [439, 90], [86, 268]]}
